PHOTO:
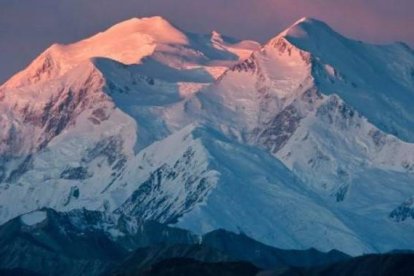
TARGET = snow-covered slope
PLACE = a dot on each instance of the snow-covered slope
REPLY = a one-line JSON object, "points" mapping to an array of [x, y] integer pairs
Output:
{"points": [[165, 64], [377, 80], [305, 142], [282, 100], [189, 180], [288, 100]]}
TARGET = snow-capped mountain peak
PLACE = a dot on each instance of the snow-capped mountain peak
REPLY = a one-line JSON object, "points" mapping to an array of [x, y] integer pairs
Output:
{"points": [[127, 42], [362, 74], [307, 27], [156, 27], [133, 42]]}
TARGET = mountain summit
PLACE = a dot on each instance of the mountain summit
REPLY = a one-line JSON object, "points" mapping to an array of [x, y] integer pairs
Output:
{"points": [[130, 42], [307, 28], [360, 73], [306, 141], [157, 27]]}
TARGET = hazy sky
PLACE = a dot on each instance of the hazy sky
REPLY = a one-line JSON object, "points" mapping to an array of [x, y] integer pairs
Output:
{"points": [[29, 26]]}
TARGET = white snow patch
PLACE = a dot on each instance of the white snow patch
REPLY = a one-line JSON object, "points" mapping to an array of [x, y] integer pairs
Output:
{"points": [[34, 218]]}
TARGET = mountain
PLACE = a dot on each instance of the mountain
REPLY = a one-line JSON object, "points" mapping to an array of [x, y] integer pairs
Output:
{"points": [[133, 42], [304, 142], [386, 264], [79, 242], [242, 247], [190, 267], [287, 99], [80, 117], [82, 242]]}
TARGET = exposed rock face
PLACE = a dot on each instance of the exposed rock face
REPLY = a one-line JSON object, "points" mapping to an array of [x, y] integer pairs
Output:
{"points": [[147, 198], [404, 211]]}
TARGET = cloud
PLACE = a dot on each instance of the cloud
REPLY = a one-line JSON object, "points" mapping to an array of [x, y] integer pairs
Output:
{"points": [[27, 27]]}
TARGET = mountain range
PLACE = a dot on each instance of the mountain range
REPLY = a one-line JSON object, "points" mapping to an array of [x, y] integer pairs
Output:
{"points": [[306, 141]]}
